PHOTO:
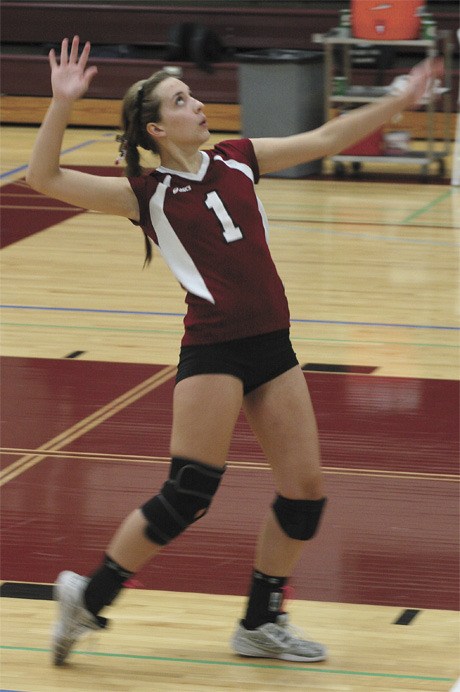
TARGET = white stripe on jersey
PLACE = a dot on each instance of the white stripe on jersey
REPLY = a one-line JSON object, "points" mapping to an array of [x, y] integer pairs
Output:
{"points": [[231, 163], [174, 253], [263, 214], [244, 168]]}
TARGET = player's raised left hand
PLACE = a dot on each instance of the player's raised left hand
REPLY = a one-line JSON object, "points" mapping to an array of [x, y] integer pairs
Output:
{"points": [[70, 78]]}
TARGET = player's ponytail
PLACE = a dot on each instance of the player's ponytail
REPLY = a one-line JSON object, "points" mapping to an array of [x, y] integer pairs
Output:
{"points": [[141, 105]]}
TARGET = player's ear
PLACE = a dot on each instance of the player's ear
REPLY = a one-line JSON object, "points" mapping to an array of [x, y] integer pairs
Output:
{"points": [[155, 130]]}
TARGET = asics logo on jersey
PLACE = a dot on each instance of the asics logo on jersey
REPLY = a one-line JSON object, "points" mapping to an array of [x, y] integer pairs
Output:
{"points": [[187, 188]]}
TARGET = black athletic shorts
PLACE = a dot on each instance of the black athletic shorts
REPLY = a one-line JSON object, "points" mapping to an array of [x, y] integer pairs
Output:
{"points": [[255, 360]]}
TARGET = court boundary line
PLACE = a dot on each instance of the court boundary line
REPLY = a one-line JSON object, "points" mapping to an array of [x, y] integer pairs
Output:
{"points": [[237, 664], [139, 330], [86, 424], [157, 313], [245, 465], [440, 198], [63, 152]]}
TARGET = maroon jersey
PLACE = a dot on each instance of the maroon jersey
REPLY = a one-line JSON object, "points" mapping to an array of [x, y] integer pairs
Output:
{"points": [[211, 229]]}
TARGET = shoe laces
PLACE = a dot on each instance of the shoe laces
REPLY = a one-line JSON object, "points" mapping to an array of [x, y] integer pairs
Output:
{"points": [[291, 632]]}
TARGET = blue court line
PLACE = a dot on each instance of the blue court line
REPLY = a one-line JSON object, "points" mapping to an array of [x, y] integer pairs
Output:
{"points": [[153, 313], [12, 172], [19, 169], [97, 310], [376, 324]]}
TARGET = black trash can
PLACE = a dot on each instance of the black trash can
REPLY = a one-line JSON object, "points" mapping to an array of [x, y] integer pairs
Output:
{"points": [[282, 93]]}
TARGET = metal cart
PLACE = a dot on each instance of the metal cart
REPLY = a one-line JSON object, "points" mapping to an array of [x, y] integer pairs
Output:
{"points": [[436, 150]]}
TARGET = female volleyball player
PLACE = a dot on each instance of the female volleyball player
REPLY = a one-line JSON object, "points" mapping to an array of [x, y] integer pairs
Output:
{"points": [[201, 210]]}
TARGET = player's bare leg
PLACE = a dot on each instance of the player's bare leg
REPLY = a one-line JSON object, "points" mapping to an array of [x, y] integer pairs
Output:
{"points": [[281, 415], [204, 415]]}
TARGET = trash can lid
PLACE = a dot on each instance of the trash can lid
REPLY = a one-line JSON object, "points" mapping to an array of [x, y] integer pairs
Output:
{"points": [[273, 55]]}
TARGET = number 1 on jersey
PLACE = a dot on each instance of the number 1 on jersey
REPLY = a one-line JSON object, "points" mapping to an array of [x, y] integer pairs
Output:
{"points": [[231, 232]]}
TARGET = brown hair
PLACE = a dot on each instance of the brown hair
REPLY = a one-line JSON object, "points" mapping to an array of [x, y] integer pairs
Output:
{"points": [[141, 105]]}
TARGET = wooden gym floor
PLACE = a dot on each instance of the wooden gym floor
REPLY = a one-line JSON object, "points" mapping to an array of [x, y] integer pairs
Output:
{"points": [[89, 347]]}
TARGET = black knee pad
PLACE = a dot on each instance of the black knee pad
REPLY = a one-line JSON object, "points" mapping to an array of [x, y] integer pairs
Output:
{"points": [[298, 518], [184, 498]]}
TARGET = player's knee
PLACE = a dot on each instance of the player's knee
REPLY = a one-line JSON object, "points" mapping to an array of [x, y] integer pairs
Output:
{"points": [[184, 498], [298, 518]]}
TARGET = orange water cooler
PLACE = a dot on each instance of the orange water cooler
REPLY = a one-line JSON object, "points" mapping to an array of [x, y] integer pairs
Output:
{"points": [[395, 20]]}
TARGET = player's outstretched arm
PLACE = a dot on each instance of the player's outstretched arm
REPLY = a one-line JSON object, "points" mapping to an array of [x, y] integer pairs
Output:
{"points": [[339, 133], [70, 80]]}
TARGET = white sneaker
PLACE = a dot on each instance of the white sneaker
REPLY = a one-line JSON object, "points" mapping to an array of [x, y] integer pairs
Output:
{"points": [[276, 640], [74, 621]]}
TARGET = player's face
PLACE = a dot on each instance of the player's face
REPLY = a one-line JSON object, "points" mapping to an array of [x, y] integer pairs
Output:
{"points": [[182, 117]]}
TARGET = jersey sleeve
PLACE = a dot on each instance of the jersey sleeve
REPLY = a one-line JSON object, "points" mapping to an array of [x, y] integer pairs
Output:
{"points": [[241, 150], [139, 187]]}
